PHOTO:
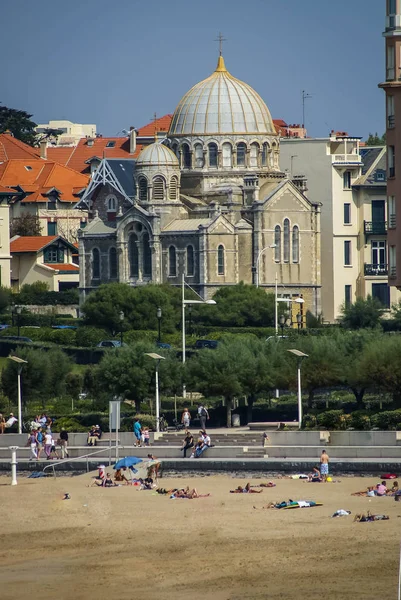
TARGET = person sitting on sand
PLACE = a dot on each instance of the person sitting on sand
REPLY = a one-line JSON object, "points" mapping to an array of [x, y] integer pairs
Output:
{"points": [[381, 489], [108, 482], [394, 490], [315, 476], [120, 477], [369, 517], [245, 490], [368, 492]]}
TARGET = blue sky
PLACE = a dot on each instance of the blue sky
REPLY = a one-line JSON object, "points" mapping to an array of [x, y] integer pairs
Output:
{"points": [[117, 63]]}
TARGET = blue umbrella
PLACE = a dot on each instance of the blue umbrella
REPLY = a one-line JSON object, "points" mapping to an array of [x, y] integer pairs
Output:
{"points": [[128, 461]]}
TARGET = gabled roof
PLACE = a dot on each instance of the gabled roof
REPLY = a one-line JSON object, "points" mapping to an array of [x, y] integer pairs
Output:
{"points": [[35, 243], [37, 177], [118, 173], [374, 160], [10, 147]]}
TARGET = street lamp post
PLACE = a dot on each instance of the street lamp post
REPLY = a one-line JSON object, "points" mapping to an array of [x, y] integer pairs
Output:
{"points": [[183, 305], [159, 321], [20, 362], [121, 317], [300, 356], [157, 358], [18, 310]]}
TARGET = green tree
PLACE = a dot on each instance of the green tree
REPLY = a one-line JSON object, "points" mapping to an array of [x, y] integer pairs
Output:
{"points": [[382, 363], [5, 297], [362, 314], [26, 224], [375, 140], [19, 123], [355, 371]]}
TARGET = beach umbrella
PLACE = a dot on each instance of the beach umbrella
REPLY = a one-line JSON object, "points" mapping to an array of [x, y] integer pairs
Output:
{"points": [[128, 461]]}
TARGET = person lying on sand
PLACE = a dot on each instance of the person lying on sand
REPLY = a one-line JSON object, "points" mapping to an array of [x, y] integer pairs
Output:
{"points": [[189, 494], [245, 490], [269, 484], [368, 492], [369, 517]]}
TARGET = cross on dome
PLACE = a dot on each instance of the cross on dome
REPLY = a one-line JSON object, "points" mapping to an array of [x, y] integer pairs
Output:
{"points": [[220, 38]]}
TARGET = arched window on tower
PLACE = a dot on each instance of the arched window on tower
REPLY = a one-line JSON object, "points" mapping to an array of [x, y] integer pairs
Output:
{"points": [[253, 155], [173, 189], [143, 189], [199, 156], [158, 188], [265, 154], [220, 260], [241, 154], [113, 263], [190, 261], [277, 243], [286, 231], [133, 255], [95, 263], [172, 262], [227, 156], [295, 244], [186, 156], [147, 256], [212, 148]]}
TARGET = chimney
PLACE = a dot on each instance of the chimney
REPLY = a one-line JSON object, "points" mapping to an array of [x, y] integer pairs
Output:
{"points": [[43, 149], [90, 141], [132, 140]]}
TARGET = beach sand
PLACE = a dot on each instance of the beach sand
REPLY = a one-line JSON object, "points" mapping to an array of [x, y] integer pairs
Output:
{"points": [[123, 543]]}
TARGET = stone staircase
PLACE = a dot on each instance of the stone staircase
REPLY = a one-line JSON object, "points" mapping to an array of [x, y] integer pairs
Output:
{"points": [[240, 439]]}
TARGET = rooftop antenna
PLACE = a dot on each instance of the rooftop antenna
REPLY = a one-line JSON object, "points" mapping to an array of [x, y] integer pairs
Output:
{"points": [[154, 121], [220, 38], [305, 96]]}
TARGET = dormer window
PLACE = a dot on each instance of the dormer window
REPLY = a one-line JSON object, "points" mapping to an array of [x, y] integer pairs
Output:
{"points": [[54, 254], [380, 177], [52, 204], [28, 167], [110, 144]]}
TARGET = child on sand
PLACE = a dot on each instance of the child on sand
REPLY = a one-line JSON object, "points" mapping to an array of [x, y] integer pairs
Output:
{"points": [[146, 436]]}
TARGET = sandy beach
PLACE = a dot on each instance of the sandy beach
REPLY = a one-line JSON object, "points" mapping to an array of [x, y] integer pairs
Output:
{"points": [[124, 543]]}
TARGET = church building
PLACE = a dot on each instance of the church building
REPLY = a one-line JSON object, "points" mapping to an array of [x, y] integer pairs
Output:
{"points": [[209, 201]]}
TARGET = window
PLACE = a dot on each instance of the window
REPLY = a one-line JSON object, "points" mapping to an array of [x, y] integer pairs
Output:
{"points": [[393, 262], [199, 161], [390, 70], [113, 263], [220, 260], [110, 144], [143, 189], [253, 155], [147, 256], [391, 212], [52, 228], [158, 188], [190, 261], [391, 161], [286, 228], [111, 203], [380, 176], [227, 155], [133, 255], [390, 112], [347, 253], [381, 291], [348, 295], [379, 255], [172, 262], [347, 214], [186, 156], [82, 224], [265, 150], [347, 180], [95, 263], [51, 204], [53, 254], [277, 242], [392, 7], [28, 167], [295, 244], [173, 190], [241, 154], [212, 155]]}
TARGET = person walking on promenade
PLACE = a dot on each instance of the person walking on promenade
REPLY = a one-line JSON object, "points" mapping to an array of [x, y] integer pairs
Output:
{"points": [[33, 445], [137, 432], [324, 465], [186, 418], [63, 443], [39, 441], [203, 416]]}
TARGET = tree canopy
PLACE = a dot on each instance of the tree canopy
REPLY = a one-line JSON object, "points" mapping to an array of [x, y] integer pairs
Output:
{"points": [[19, 123], [376, 140], [362, 314], [26, 224]]}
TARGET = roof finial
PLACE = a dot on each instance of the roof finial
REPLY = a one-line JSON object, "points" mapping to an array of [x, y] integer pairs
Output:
{"points": [[220, 63], [154, 121]]}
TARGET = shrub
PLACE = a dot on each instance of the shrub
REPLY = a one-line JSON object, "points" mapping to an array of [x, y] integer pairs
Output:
{"points": [[360, 420], [127, 422], [330, 419], [69, 424], [388, 419], [88, 337]]}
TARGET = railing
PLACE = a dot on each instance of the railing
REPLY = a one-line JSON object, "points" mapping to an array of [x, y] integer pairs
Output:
{"points": [[392, 222], [391, 122], [347, 158], [376, 269], [61, 462], [393, 272], [375, 227]]}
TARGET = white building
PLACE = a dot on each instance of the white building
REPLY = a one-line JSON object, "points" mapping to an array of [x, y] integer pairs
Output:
{"points": [[71, 132]]}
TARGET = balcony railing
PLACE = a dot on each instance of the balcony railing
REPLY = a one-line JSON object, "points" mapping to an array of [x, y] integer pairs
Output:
{"points": [[392, 222], [347, 159], [375, 227], [391, 122], [376, 270], [393, 273]]}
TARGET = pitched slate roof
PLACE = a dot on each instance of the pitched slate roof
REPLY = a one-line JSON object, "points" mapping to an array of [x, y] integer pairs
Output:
{"points": [[10, 147], [123, 169], [37, 177], [374, 162]]}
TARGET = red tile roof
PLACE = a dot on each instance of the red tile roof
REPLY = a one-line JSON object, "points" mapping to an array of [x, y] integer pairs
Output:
{"points": [[60, 154], [30, 243], [10, 147], [63, 267], [37, 177], [161, 124]]}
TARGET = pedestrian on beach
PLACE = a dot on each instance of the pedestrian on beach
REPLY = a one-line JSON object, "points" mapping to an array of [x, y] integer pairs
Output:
{"points": [[33, 445], [203, 415], [186, 418], [137, 432], [63, 443], [324, 465]]}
